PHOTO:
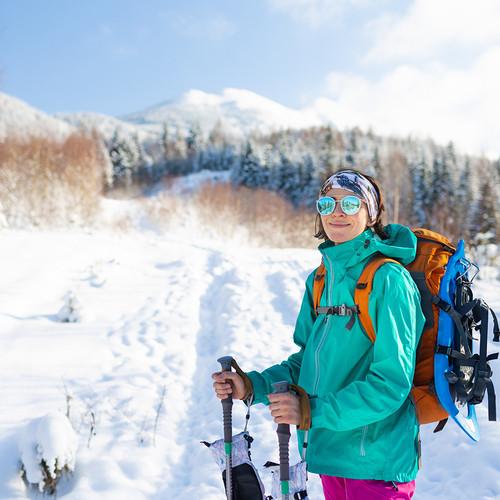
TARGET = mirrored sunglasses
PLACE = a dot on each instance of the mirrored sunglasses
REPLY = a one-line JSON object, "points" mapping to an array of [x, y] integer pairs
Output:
{"points": [[350, 205]]}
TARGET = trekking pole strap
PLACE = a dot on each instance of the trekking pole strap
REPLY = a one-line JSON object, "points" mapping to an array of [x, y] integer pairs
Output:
{"points": [[248, 402], [246, 379]]}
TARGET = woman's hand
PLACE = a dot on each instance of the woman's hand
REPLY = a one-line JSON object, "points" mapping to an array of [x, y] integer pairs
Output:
{"points": [[285, 408], [228, 383]]}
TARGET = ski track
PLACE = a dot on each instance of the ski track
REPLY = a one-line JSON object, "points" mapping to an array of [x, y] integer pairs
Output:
{"points": [[163, 331], [214, 339]]}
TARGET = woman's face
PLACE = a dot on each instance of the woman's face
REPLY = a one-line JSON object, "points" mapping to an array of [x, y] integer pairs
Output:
{"points": [[340, 227]]}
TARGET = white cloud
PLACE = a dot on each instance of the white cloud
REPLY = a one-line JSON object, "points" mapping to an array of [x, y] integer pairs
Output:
{"points": [[429, 101], [429, 28], [316, 12], [439, 74]]}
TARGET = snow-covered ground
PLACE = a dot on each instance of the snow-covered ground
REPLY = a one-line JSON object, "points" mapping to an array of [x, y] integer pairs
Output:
{"points": [[157, 310]]}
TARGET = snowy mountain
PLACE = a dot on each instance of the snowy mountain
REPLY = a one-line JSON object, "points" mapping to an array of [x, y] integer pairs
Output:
{"points": [[239, 111], [20, 119], [236, 111]]}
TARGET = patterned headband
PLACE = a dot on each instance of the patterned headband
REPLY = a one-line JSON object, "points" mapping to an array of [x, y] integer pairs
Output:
{"points": [[357, 184]]}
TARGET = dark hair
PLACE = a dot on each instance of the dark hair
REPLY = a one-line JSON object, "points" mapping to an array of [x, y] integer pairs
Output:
{"points": [[378, 226]]}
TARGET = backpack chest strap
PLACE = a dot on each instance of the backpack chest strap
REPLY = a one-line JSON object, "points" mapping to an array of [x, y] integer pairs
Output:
{"points": [[341, 310]]}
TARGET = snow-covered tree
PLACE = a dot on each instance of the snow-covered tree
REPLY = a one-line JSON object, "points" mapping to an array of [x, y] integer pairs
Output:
{"points": [[123, 158], [486, 216], [47, 449], [249, 168], [464, 204], [70, 312], [418, 173], [441, 192]]}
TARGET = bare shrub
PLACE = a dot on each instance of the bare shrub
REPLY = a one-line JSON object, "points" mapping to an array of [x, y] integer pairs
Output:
{"points": [[47, 182], [221, 210]]}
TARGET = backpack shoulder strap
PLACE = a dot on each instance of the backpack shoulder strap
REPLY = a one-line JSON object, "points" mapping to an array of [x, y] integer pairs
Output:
{"points": [[363, 289], [318, 285]]}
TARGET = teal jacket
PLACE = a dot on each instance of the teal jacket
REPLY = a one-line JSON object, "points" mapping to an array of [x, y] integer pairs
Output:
{"points": [[363, 419]]}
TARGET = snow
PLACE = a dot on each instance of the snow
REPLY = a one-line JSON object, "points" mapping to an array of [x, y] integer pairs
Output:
{"points": [[19, 119], [134, 373], [108, 125]]}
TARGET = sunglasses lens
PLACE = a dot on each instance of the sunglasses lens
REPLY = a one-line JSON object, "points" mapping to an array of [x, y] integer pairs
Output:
{"points": [[325, 205], [350, 205]]}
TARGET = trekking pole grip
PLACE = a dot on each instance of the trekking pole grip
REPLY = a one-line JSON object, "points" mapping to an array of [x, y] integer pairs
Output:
{"points": [[283, 432], [227, 404]]}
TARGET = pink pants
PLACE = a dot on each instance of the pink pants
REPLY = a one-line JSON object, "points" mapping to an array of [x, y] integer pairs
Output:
{"points": [[339, 488]]}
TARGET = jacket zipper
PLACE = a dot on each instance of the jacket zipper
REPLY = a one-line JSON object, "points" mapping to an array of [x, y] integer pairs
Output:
{"points": [[362, 451], [325, 329]]}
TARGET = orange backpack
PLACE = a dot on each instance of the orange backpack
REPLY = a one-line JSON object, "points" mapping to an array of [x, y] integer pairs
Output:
{"points": [[427, 270]]}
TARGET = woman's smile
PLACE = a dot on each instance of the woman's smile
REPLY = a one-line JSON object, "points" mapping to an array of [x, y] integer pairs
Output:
{"points": [[340, 227], [338, 224]]}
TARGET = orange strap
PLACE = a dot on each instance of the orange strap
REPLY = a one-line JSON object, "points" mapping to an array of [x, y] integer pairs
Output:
{"points": [[364, 286], [318, 285]]}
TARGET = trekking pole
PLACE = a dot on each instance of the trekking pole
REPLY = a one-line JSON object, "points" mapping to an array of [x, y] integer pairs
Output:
{"points": [[227, 405], [283, 432]]}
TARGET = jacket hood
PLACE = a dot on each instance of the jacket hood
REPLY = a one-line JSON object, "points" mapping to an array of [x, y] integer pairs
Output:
{"points": [[401, 245]]}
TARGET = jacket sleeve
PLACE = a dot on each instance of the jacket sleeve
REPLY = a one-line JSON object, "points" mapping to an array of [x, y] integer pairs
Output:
{"points": [[398, 321], [287, 370]]}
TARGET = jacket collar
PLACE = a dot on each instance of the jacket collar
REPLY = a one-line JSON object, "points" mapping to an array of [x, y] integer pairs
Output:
{"points": [[349, 252]]}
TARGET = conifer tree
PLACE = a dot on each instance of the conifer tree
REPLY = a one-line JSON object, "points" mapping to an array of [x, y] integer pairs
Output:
{"points": [[122, 158], [166, 153], [289, 178], [441, 195], [309, 184], [486, 217], [249, 168], [376, 164], [463, 205], [351, 149], [193, 148], [327, 152], [418, 215]]}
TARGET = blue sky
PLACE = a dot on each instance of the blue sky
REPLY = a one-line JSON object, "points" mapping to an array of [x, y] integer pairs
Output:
{"points": [[121, 56], [422, 67]]}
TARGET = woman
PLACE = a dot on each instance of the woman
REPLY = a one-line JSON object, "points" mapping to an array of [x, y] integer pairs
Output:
{"points": [[364, 436]]}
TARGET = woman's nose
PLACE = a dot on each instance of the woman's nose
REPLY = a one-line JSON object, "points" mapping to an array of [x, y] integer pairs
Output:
{"points": [[337, 210]]}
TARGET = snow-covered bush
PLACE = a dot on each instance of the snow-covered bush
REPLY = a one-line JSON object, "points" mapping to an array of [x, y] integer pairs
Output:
{"points": [[70, 312], [96, 277], [47, 448]]}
